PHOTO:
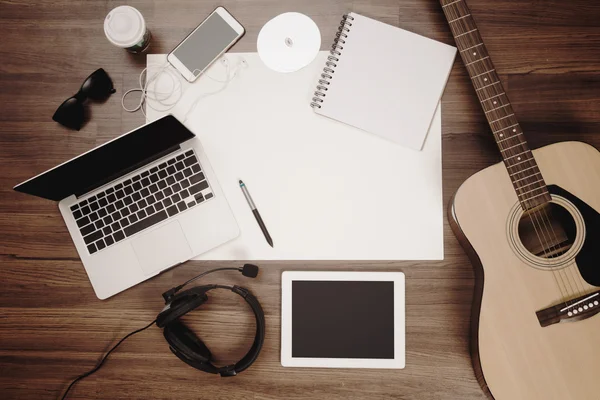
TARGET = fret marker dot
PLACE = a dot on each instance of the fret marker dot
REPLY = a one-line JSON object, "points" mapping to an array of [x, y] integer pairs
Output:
{"points": [[514, 130], [495, 102], [518, 158], [485, 79], [474, 53], [502, 134]]}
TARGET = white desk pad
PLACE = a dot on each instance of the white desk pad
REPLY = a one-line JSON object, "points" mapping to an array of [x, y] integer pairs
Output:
{"points": [[326, 191], [342, 319]]}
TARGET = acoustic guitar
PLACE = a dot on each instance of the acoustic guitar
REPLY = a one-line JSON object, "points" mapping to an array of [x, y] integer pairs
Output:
{"points": [[531, 227]]}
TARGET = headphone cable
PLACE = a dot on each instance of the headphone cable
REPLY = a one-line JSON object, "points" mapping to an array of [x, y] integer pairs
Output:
{"points": [[97, 367]]}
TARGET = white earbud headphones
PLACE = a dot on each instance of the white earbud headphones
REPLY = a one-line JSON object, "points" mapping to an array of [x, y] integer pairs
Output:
{"points": [[163, 101]]}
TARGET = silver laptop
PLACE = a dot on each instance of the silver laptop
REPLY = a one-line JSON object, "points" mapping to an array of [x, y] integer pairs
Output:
{"points": [[139, 204]]}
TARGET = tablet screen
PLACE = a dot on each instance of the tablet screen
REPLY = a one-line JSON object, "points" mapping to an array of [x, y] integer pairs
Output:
{"points": [[343, 319]]}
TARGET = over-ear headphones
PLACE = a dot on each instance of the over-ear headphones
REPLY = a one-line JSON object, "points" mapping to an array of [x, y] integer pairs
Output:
{"points": [[182, 341], [188, 347]]}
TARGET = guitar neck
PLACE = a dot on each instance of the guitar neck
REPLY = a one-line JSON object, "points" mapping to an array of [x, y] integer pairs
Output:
{"points": [[518, 159]]}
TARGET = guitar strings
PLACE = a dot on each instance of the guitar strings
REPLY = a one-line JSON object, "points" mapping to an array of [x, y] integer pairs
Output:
{"points": [[545, 233], [564, 297], [567, 276], [544, 243], [538, 220], [567, 270], [544, 217], [539, 231]]}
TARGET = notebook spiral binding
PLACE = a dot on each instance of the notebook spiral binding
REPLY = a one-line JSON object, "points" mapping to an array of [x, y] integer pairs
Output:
{"points": [[332, 59]]}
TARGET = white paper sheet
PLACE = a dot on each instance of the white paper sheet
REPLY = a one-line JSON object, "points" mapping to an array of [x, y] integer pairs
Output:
{"points": [[326, 190]]}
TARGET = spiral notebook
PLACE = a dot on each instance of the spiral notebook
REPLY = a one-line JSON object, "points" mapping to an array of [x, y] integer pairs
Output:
{"points": [[383, 80]]}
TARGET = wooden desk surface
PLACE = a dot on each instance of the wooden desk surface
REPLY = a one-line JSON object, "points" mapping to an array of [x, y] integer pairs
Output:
{"points": [[52, 327]]}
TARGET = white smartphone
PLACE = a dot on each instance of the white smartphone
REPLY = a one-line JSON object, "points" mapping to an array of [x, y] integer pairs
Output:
{"points": [[213, 37]]}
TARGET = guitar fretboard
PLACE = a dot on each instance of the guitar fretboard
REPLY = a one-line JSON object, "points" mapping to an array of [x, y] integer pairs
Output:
{"points": [[518, 159]]}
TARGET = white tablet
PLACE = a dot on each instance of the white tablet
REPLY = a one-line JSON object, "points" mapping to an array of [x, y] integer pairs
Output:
{"points": [[342, 319]]}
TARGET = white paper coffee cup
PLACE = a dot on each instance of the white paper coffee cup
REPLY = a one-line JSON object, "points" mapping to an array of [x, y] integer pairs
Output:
{"points": [[125, 27]]}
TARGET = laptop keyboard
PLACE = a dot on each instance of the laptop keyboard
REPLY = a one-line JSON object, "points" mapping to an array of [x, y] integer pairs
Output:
{"points": [[141, 201]]}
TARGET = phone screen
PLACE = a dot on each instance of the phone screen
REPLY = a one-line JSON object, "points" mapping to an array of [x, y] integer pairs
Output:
{"points": [[201, 48]]}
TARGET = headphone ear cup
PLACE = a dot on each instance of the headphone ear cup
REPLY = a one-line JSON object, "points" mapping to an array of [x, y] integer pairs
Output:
{"points": [[181, 305], [186, 343]]}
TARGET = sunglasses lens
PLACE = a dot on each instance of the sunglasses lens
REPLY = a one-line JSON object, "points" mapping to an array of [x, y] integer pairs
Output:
{"points": [[70, 114], [98, 85]]}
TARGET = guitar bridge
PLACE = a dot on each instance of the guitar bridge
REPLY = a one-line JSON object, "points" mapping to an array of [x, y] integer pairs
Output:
{"points": [[577, 309]]}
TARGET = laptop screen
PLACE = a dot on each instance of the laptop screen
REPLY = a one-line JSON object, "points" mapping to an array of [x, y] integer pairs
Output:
{"points": [[109, 161]]}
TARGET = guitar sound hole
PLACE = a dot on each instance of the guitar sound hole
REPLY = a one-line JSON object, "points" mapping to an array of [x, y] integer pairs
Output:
{"points": [[548, 231]]}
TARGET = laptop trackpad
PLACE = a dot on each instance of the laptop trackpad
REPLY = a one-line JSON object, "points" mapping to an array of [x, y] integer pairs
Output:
{"points": [[162, 248]]}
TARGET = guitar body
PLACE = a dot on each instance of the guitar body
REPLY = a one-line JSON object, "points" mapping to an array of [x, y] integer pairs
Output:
{"points": [[515, 358]]}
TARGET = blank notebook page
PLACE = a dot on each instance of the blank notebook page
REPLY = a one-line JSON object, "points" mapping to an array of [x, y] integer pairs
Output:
{"points": [[387, 81]]}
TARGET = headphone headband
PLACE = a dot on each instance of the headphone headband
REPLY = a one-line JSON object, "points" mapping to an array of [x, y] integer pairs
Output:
{"points": [[259, 337]]}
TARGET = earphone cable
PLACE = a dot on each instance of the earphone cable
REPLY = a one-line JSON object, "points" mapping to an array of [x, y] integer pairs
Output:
{"points": [[164, 101], [97, 367]]}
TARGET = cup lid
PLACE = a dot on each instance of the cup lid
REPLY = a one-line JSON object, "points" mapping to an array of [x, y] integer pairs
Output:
{"points": [[124, 26]]}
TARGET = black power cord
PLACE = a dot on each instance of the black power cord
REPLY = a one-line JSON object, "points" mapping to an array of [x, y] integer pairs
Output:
{"points": [[97, 367]]}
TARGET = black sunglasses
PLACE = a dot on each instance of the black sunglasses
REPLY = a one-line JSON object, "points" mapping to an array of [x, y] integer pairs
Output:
{"points": [[97, 86]]}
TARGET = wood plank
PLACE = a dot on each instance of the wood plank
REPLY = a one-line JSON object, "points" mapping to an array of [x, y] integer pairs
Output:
{"points": [[53, 327]]}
